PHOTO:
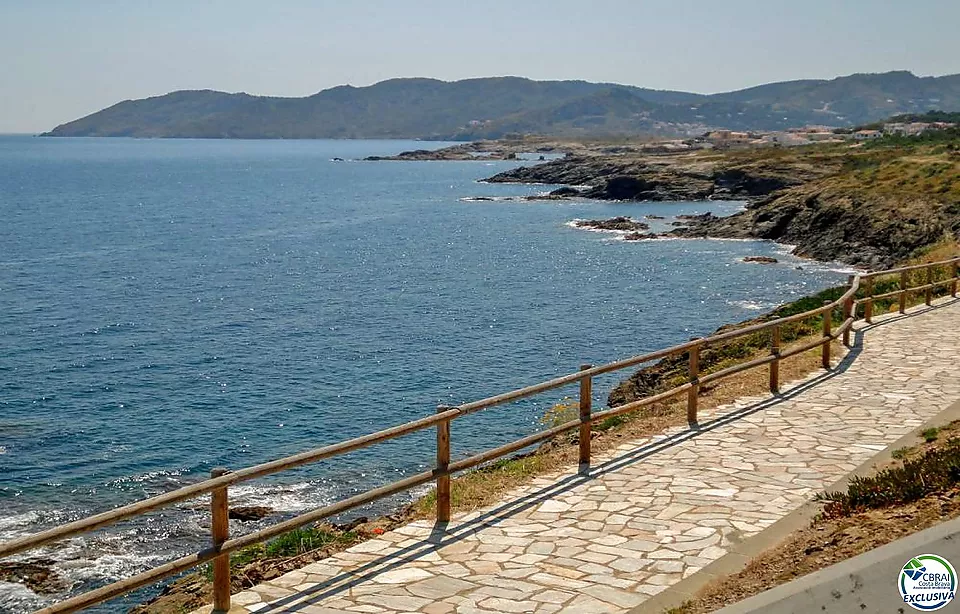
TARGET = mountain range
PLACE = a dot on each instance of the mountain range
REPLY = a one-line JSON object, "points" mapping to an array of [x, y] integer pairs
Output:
{"points": [[498, 106]]}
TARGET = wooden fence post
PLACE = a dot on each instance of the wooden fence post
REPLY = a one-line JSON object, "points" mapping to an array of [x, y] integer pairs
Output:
{"points": [[868, 307], [847, 312], [694, 372], [220, 532], [775, 365], [825, 348], [956, 274], [928, 297], [903, 292], [586, 390], [443, 463]]}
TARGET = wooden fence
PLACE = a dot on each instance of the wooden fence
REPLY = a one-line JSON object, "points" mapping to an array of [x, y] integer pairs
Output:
{"points": [[221, 479]]}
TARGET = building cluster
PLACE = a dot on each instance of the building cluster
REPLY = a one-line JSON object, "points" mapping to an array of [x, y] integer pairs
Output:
{"points": [[730, 139]]}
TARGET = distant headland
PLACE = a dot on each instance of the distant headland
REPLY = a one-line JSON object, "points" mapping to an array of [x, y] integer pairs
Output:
{"points": [[496, 107]]}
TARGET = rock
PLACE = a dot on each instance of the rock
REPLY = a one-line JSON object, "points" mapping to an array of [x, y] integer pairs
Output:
{"points": [[651, 216], [761, 259], [544, 197], [639, 236], [565, 191], [353, 524], [336, 160], [625, 187], [249, 513], [37, 575], [738, 181], [622, 223]]}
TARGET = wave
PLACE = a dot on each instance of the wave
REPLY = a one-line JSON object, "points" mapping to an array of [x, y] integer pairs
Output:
{"points": [[104, 558], [283, 497], [751, 305], [12, 526]]}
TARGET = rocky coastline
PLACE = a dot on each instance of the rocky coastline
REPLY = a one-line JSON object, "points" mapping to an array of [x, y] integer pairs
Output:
{"points": [[485, 150], [821, 201]]}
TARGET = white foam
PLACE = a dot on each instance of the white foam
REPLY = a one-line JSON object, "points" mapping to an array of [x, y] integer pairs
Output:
{"points": [[17, 525], [750, 305], [17, 520], [282, 497], [18, 598], [620, 233], [105, 565]]}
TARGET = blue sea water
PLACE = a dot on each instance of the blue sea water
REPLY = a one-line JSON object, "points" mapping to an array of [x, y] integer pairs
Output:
{"points": [[167, 306]]}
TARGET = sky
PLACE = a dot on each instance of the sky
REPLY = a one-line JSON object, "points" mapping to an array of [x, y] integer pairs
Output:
{"points": [[64, 59]]}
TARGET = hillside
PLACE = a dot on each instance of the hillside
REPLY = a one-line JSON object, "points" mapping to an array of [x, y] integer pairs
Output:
{"points": [[494, 107]]}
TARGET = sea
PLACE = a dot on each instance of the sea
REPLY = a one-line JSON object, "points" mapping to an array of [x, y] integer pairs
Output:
{"points": [[170, 306]]}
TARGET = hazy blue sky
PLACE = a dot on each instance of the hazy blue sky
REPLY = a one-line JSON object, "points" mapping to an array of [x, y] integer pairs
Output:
{"points": [[64, 59]]}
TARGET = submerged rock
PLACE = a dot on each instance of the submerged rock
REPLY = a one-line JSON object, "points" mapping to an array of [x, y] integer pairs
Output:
{"points": [[761, 259]]}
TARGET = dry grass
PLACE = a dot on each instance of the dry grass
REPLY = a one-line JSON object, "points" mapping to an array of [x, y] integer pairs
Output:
{"points": [[944, 250]]}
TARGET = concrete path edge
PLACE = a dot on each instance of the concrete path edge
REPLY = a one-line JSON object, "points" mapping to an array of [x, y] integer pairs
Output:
{"points": [[740, 555]]}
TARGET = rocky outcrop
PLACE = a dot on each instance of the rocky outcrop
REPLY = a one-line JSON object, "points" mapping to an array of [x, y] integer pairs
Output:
{"points": [[621, 223], [819, 200], [833, 223], [660, 178], [761, 259], [426, 155]]}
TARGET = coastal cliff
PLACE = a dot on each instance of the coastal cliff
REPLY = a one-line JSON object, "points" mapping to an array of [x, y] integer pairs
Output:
{"points": [[868, 206]]}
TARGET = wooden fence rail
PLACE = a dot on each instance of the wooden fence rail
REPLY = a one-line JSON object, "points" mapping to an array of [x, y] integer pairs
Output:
{"points": [[221, 479]]}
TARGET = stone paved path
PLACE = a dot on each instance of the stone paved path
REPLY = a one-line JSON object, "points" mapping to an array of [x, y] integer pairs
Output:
{"points": [[652, 511]]}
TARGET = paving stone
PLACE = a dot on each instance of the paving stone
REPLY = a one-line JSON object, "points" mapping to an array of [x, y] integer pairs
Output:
{"points": [[439, 587], [404, 575], [508, 605]]}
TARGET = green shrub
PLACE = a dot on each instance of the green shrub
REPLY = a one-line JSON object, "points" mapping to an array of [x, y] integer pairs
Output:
{"points": [[937, 470]]}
